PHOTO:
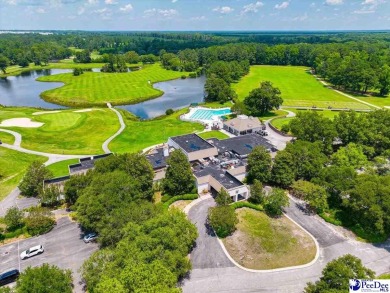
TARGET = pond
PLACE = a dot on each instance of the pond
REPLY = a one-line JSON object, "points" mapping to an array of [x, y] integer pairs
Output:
{"points": [[178, 93], [24, 90]]}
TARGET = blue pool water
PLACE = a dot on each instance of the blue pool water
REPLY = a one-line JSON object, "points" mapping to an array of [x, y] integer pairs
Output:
{"points": [[203, 114]]}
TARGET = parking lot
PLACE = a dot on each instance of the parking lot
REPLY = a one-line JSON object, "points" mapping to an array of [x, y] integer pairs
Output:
{"points": [[64, 247]]}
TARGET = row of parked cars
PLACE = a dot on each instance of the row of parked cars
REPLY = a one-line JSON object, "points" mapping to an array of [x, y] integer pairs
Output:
{"points": [[12, 275]]}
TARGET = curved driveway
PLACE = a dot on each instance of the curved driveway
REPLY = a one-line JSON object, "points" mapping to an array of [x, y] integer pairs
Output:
{"points": [[213, 272]]}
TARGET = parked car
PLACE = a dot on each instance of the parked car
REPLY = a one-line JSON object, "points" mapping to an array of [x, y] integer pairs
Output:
{"points": [[90, 237], [32, 251], [8, 277]]}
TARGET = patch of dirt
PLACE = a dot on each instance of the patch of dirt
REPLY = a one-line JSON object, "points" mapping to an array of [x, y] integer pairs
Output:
{"points": [[180, 204]]}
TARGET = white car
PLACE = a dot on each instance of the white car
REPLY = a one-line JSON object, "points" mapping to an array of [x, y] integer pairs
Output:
{"points": [[32, 251]]}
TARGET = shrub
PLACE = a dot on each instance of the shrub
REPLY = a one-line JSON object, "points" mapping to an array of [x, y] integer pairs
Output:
{"points": [[165, 198], [223, 198], [192, 75], [180, 197], [13, 218], [223, 219], [183, 76], [169, 112], [276, 201], [245, 204], [39, 221]]}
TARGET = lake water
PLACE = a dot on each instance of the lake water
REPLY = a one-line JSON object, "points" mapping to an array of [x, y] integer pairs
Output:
{"points": [[178, 93], [24, 90]]}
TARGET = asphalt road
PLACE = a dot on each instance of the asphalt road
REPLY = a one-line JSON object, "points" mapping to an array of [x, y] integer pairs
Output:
{"points": [[213, 273], [63, 246]]}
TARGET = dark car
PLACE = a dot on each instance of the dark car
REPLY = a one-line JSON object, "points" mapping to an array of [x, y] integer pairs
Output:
{"points": [[8, 277]]}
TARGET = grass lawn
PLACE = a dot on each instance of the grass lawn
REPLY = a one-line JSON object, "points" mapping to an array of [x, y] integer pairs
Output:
{"points": [[384, 276], [7, 138], [141, 134], [261, 242], [61, 168], [67, 132], [97, 88], [279, 122], [213, 134], [298, 87], [64, 64], [377, 101], [13, 164]]}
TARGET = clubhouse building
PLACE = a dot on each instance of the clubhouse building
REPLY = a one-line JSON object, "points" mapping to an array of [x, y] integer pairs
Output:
{"points": [[216, 164]]}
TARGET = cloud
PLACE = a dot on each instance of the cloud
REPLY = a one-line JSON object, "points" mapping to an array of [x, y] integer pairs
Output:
{"points": [[334, 2], [198, 18], [252, 7], [126, 8], [301, 18], [92, 2], [40, 10], [363, 11], [110, 2], [166, 13], [174, 1], [283, 5], [223, 9], [81, 11]]}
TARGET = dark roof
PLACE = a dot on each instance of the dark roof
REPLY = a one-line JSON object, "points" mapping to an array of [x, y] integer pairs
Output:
{"points": [[86, 163], [191, 143], [241, 145], [227, 180], [157, 159]]}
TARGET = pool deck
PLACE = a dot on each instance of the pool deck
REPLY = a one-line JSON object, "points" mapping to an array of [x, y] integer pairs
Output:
{"points": [[214, 118]]}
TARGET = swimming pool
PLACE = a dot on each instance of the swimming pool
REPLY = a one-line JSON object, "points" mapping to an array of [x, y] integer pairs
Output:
{"points": [[207, 114]]}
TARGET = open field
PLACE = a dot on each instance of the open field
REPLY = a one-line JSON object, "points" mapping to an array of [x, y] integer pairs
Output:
{"points": [[97, 88], [261, 242], [279, 122], [141, 134], [12, 167], [298, 87], [213, 134], [66, 132], [377, 101], [61, 168]]}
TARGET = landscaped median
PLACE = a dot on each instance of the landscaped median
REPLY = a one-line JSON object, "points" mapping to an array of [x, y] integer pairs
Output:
{"points": [[261, 242]]}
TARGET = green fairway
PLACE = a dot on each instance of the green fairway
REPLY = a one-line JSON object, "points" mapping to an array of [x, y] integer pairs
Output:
{"points": [[13, 164], [377, 101], [67, 132], [7, 138], [97, 88], [279, 122], [141, 134], [213, 134], [61, 168], [298, 87]]}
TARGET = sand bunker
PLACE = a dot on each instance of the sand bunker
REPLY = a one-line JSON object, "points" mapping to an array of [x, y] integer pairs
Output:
{"points": [[46, 112], [20, 122], [84, 110]]}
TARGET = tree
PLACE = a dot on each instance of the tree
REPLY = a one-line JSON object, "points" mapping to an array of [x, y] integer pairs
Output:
{"points": [[315, 195], [32, 181], [384, 80], [259, 165], [178, 178], [283, 170], [276, 201], [50, 195], [257, 193], [263, 99], [350, 156], [218, 89], [220, 70], [4, 63], [74, 186], [13, 218], [45, 279], [223, 219], [311, 126], [39, 221], [78, 71], [223, 198], [132, 57], [337, 273]]}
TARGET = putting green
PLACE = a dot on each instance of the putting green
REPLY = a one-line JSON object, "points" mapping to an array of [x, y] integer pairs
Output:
{"points": [[298, 87], [13, 165], [141, 134], [97, 88], [66, 132]]}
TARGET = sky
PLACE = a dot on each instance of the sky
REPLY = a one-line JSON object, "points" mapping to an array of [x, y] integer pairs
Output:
{"points": [[194, 15]]}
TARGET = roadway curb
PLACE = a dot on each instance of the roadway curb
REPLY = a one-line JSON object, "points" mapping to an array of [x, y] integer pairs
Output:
{"points": [[195, 202]]}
